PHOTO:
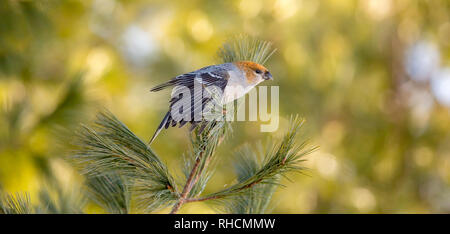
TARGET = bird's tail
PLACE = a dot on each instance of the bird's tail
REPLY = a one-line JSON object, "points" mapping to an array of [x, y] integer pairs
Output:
{"points": [[160, 127]]}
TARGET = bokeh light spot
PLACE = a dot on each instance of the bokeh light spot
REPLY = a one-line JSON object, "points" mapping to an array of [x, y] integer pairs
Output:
{"points": [[200, 27], [440, 85], [363, 199], [327, 165]]}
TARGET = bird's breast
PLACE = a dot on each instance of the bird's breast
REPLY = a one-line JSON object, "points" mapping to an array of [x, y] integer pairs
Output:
{"points": [[236, 87]]}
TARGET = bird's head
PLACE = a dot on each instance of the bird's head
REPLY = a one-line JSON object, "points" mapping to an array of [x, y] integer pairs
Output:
{"points": [[254, 72]]}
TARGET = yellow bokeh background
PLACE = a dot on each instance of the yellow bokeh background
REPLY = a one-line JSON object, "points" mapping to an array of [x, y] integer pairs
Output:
{"points": [[370, 78]]}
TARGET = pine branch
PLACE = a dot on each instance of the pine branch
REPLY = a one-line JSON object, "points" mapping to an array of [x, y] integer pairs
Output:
{"points": [[192, 179], [202, 177], [204, 145], [256, 199], [280, 160], [110, 147]]}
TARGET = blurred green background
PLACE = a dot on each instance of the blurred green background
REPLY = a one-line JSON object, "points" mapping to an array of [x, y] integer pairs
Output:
{"points": [[371, 78]]}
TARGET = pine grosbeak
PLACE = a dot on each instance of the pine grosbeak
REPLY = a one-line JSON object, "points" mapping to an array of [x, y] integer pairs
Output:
{"points": [[230, 80]]}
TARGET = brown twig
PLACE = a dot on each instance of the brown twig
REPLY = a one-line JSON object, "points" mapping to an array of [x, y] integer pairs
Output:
{"points": [[188, 186], [221, 196], [193, 178], [202, 199]]}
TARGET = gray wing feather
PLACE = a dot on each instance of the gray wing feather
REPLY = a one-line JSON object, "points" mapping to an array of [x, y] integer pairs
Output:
{"points": [[211, 76]]}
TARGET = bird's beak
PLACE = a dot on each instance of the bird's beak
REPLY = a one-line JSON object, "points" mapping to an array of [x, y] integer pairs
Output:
{"points": [[268, 76]]}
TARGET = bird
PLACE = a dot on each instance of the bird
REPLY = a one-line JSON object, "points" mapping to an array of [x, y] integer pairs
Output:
{"points": [[227, 81]]}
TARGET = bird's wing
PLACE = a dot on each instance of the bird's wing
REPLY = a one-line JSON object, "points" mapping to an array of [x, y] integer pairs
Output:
{"points": [[208, 78], [197, 87], [211, 75], [218, 78]]}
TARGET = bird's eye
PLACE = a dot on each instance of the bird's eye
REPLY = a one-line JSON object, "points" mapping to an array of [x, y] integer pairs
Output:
{"points": [[258, 71]]}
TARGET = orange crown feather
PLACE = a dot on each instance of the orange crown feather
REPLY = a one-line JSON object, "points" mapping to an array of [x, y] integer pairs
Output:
{"points": [[249, 68]]}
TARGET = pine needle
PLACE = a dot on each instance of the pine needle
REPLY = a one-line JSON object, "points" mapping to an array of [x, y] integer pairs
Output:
{"points": [[246, 48], [110, 147], [19, 203], [111, 192]]}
